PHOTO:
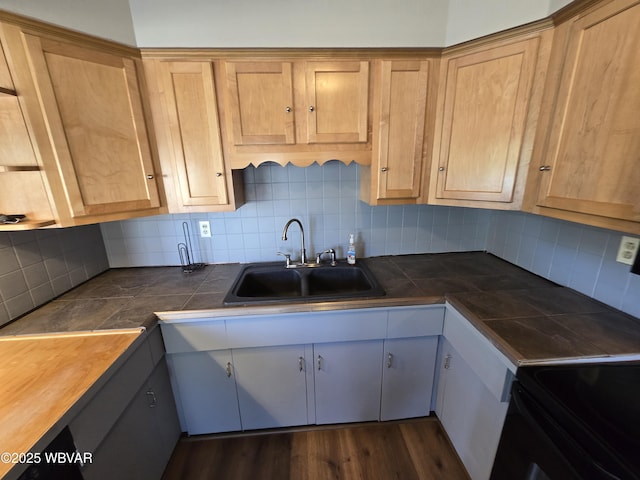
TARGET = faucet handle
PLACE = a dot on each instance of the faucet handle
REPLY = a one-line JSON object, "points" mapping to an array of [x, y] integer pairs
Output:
{"points": [[331, 252], [287, 257]]}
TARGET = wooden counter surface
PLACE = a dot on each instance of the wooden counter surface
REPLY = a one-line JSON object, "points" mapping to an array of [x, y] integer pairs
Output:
{"points": [[43, 376]]}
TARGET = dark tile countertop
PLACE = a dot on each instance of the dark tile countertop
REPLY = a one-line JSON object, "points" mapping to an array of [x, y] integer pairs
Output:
{"points": [[528, 318]]}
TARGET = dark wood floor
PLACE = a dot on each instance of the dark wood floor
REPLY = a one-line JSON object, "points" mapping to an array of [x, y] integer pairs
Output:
{"points": [[411, 450]]}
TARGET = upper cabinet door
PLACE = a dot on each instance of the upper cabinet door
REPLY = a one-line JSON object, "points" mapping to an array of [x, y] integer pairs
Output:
{"points": [[591, 162], [92, 108], [398, 152], [192, 123], [482, 121], [337, 102], [260, 102]]}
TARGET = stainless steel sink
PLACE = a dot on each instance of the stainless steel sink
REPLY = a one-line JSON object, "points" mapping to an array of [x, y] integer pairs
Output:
{"points": [[273, 283]]}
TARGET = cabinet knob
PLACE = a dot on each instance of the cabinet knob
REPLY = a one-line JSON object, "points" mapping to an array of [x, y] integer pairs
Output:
{"points": [[384, 169], [287, 109], [149, 177], [228, 369], [441, 169], [312, 108], [218, 174], [545, 168]]}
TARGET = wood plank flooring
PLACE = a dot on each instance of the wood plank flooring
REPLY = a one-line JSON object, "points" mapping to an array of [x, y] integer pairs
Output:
{"points": [[408, 450]]}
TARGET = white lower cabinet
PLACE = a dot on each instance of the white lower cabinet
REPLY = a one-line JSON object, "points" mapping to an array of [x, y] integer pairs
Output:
{"points": [[473, 394], [348, 376], [205, 385], [246, 373], [272, 385], [407, 377]]}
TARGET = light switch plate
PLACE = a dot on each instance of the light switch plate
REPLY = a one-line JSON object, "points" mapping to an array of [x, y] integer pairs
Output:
{"points": [[628, 250]]}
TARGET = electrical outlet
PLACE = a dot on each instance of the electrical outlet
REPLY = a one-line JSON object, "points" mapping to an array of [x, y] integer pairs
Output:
{"points": [[628, 250], [205, 229]]}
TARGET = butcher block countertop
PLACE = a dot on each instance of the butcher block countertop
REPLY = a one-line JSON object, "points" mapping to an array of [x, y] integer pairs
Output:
{"points": [[44, 376]]}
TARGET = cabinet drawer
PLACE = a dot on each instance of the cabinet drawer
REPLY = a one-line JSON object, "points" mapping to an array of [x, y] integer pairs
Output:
{"points": [[311, 327], [415, 322], [491, 366], [197, 336]]}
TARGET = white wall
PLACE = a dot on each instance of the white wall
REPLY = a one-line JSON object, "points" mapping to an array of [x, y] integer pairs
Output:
{"points": [[289, 23], [109, 19]]}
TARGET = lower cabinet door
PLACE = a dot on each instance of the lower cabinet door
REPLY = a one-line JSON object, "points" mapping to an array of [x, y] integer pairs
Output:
{"points": [[206, 391], [407, 377], [272, 386], [347, 381], [141, 442], [470, 414]]}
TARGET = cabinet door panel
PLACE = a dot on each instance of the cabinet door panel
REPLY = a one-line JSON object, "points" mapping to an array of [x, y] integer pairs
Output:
{"points": [[192, 115], [92, 105], [403, 105], [469, 413], [272, 388], [260, 102], [348, 377], [207, 394], [594, 145], [407, 377], [484, 117], [337, 102]]}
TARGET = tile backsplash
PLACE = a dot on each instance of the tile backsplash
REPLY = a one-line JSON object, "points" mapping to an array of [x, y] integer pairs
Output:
{"points": [[324, 198], [573, 255], [37, 266]]}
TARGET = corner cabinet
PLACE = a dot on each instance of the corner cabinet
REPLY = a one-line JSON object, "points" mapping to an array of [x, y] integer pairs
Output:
{"points": [[404, 94], [487, 114], [267, 371], [586, 166], [300, 111], [83, 106], [473, 393], [184, 104]]}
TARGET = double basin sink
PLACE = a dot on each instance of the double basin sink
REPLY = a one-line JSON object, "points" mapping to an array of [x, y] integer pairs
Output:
{"points": [[274, 283]]}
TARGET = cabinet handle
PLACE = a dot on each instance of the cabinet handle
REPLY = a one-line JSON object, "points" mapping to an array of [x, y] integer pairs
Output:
{"points": [[312, 108], [389, 360], [218, 174], [447, 362], [441, 169], [545, 168], [300, 363], [384, 169], [287, 109], [153, 401], [228, 369], [319, 362], [149, 177]]}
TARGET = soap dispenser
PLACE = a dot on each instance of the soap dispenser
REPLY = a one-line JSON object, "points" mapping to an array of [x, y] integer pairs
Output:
{"points": [[351, 250]]}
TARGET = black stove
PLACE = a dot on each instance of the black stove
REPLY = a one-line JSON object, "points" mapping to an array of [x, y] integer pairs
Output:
{"points": [[577, 421]]}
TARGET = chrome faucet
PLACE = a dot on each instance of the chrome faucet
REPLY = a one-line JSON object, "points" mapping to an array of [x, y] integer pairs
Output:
{"points": [[303, 252]]}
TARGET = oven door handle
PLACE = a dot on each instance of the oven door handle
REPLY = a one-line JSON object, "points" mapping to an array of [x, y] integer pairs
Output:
{"points": [[526, 405]]}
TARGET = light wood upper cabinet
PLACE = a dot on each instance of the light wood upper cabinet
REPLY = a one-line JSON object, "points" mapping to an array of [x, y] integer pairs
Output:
{"points": [[183, 99], [485, 122], [337, 95], [291, 110], [588, 162], [83, 108], [260, 101], [400, 157]]}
